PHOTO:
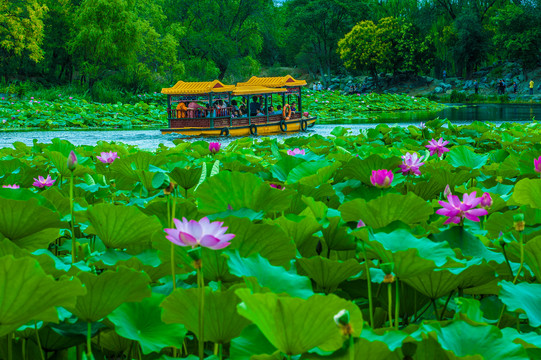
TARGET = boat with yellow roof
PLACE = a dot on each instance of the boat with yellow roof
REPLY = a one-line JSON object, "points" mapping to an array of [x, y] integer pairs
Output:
{"points": [[211, 108]]}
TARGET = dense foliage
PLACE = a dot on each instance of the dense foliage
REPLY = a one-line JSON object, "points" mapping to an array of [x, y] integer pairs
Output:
{"points": [[148, 44], [149, 110], [341, 247]]}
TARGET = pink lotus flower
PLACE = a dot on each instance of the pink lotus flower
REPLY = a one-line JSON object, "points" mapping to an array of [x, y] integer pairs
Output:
{"points": [[486, 200], [108, 157], [422, 125], [437, 147], [276, 186], [214, 147], [199, 233], [411, 164], [72, 161], [447, 191], [537, 164], [14, 186], [296, 151], [360, 224], [71, 97], [41, 182], [456, 210], [381, 178]]}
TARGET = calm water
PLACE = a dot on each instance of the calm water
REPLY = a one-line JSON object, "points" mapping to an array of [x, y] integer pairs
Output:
{"points": [[151, 139]]}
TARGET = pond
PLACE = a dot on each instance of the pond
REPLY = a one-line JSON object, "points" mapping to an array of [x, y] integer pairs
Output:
{"points": [[151, 139]]}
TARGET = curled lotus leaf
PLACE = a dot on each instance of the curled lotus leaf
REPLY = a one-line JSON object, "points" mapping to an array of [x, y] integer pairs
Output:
{"points": [[27, 293]]}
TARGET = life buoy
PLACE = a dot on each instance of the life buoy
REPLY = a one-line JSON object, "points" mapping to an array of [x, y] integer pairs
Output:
{"points": [[253, 130], [288, 108], [304, 125], [283, 126], [224, 132]]}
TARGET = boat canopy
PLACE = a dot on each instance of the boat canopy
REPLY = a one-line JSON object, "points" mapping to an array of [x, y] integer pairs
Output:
{"points": [[256, 90], [272, 82], [193, 88]]}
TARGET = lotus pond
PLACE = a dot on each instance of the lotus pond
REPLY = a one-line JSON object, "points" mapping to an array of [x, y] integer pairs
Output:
{"points": [[150, 111], [385, 244]]}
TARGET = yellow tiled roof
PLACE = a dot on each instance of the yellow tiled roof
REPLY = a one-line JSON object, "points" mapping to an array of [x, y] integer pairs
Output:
{"points": [[182, 88], [249, 90], [273, 82]]}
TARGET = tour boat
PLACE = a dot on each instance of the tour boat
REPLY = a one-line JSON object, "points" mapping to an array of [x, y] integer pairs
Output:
{"points": [[213, 108]]}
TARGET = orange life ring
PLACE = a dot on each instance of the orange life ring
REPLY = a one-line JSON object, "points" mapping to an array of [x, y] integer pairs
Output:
{"points": [[286, 106]]}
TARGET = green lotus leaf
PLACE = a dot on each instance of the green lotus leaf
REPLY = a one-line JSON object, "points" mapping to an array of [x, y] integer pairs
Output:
{"points": [[464, 156], [328, 274], [222, 323], [309, 169], [380, 212], [60, 162], [370, 346], [113, 342], [528, 192], [185, 178], [276, 278], [121, 226], [250, 342], [337, 236], [435, 284], [240, 190], [269, 241], [158, 207], [459, 238], [522, 297], [215, 266], [282, 168], [109, 290], [20, 221], [411, 256], [361, 169], [483, 342], [295, 325], [53, 341], [142, 322], [301, 230], [528, 340], [27, 293], [532, 256]]}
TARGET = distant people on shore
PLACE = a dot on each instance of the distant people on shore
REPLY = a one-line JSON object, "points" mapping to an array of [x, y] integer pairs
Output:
{"points": [[515, 86], [444, 75], [531, 87], [476, 87]]}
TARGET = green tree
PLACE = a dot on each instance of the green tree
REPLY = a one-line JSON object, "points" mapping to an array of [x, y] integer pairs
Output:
{"points": [[21, 31], [518, 35], [107, 36], [473, 43]]}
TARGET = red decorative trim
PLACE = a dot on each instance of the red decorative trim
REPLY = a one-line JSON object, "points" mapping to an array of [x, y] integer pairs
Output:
{"points": [[217, 85]]}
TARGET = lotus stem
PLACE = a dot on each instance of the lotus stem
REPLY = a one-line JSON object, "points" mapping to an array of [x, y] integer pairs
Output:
{"points": [[390, 300], [369, 283], [351, 348], [507, 259], [72, 223], [435, 308], [201, 284], [89, 339], [10, 346], [521, 243], [23, 348], [397, 305], [446, 303], [38, 341]]}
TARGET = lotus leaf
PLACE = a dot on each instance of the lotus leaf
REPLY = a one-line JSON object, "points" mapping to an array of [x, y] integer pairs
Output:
{"points": [[294, 325], [328, 274], [27, 293], [222, 323], [523, 297], [107, 291]]}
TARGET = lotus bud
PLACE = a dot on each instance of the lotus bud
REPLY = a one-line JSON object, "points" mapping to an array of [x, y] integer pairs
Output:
{"points": [[486, 200], [499, 179], [342, 321], [214, 147], [72, 161], [518, 222], [360, 224], [447, 191], [387, 268], [170, 188]]}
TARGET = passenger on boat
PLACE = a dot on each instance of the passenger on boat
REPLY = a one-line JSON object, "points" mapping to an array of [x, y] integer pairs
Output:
{"points": [[254, 106], [293, 108], [278, 110], [235, 108], [270, 110], [195, 110], [242, 111], [181, 110]]}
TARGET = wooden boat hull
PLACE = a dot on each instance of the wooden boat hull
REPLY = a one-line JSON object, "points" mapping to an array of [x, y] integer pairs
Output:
{"points": [[293, 125]]}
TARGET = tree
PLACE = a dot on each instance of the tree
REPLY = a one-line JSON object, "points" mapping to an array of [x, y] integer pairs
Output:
{"points": [[315, 26], [220, 32], [473, 43], [21, 31], [518, 35], [107, 35]]}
